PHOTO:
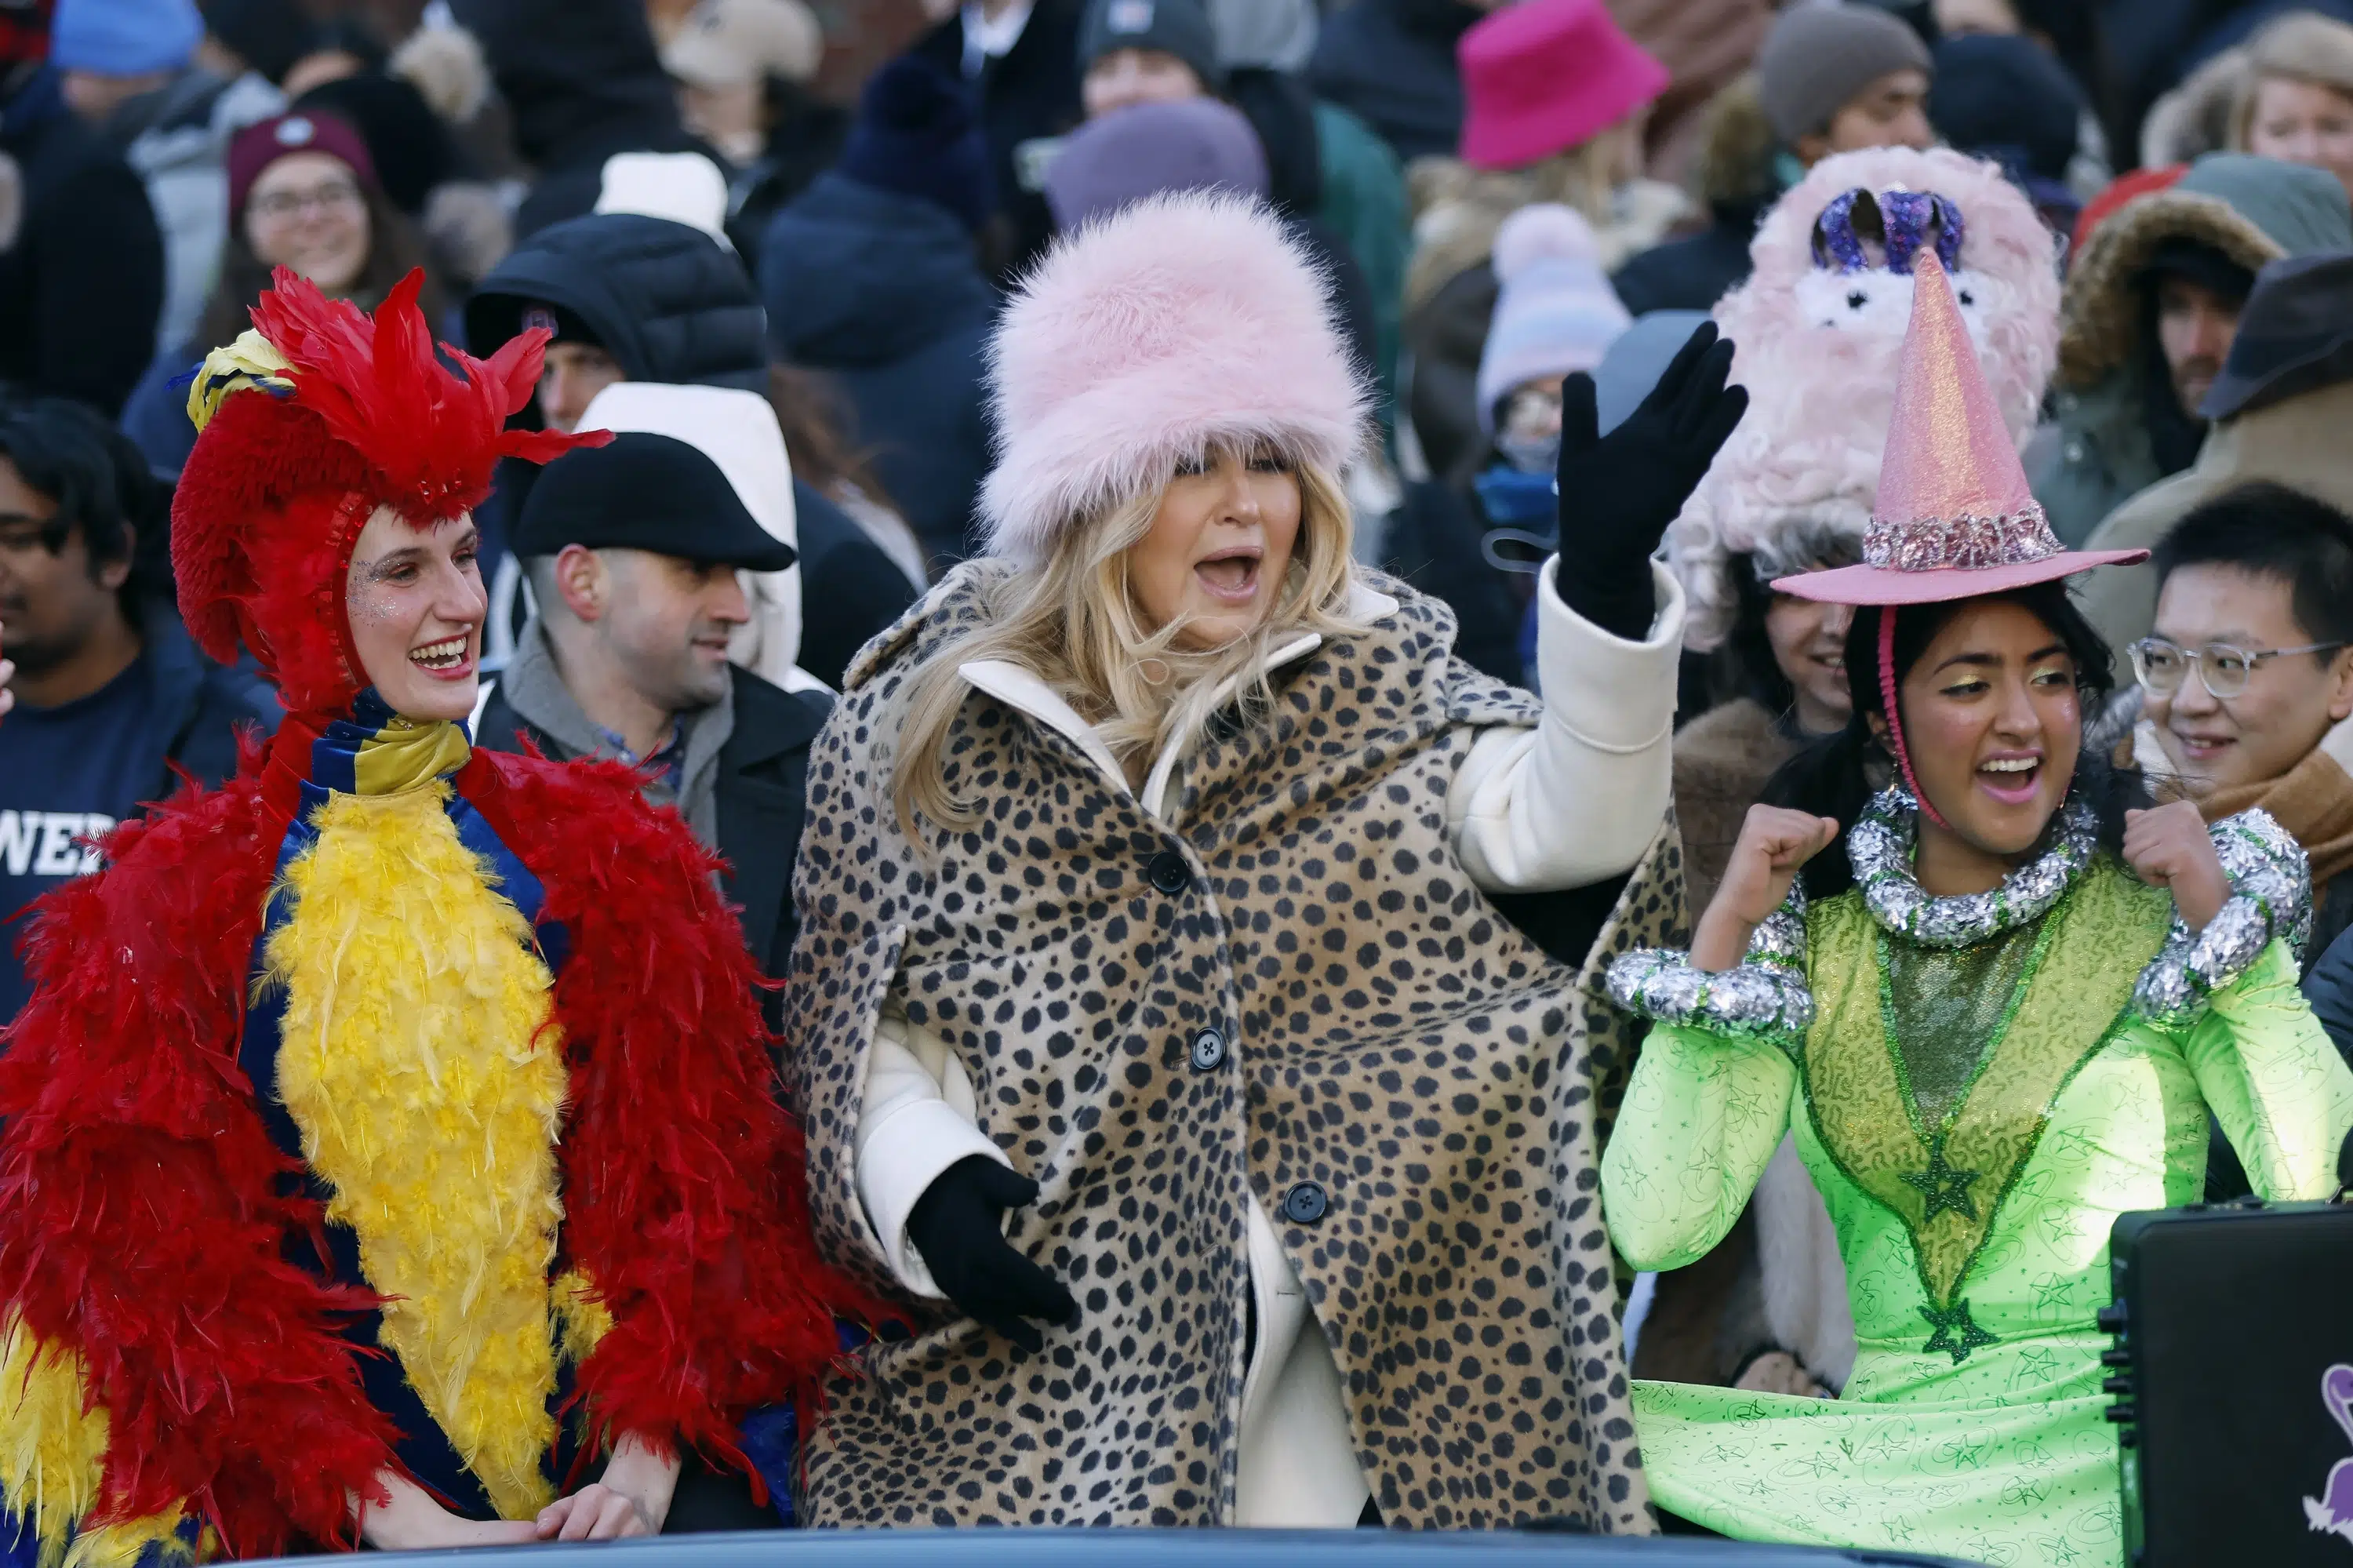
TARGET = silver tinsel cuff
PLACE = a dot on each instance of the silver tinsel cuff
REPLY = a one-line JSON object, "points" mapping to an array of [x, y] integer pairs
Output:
{"points": [[2271, 881], [2263, 861], [1781, 940], [1756, 1001]]}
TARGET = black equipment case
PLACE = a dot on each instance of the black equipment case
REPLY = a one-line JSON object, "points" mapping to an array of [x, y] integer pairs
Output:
{"points": [[2233, 1373]]}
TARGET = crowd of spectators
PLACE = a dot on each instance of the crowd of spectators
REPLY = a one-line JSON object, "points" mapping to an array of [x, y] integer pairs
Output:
{"points": [[800, 276]]}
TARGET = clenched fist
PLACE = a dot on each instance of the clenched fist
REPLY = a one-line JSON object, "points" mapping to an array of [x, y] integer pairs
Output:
{"points": [[1774, 845], [2168, 846]]}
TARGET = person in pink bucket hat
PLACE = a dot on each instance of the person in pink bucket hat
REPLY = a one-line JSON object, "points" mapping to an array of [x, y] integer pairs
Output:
{"points": [[1997, 1018], [1545, 75], [1556, 98]]}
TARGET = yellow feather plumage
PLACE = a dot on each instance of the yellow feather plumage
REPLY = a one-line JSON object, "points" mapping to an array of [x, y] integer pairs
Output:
{"points": [[251, 361], [419, 1063], [127, 1545], [52, 1449], [582, 1318]]}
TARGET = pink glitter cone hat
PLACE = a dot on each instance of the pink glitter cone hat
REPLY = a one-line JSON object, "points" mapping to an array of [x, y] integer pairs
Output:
{"points": [[1954, 518]]}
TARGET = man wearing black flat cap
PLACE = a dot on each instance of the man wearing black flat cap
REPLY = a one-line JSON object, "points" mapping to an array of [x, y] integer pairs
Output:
{"points": [[636, 560], [2282, 407]]}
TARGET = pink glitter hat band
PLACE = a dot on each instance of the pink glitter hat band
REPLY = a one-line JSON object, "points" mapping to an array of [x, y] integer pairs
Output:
{"points": [[1954, 518], [1886, 585]]}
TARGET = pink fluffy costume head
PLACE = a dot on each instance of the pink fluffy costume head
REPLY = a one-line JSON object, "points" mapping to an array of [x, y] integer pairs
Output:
{"points": [[1183, 323], [1821, 325]]}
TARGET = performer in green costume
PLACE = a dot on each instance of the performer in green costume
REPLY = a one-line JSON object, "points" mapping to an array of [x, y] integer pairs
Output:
{"points": [[1995, 1019]]}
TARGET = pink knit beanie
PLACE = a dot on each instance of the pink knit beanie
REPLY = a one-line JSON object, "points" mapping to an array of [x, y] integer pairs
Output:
{"points": [[1185, 322], [1555, 311]]}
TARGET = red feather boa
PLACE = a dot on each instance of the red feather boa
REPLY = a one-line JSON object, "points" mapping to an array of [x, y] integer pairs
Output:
{"points": [[141, 1222]]}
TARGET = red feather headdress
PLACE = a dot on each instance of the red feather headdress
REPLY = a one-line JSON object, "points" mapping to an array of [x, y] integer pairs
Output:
{"points": [[307, 425]]}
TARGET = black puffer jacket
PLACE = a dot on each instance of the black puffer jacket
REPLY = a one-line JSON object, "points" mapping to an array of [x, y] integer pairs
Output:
{"points": [[670, 305], [662, 297]]}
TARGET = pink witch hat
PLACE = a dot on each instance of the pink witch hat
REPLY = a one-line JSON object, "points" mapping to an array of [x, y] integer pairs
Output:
{"points": [[1954, 518]]}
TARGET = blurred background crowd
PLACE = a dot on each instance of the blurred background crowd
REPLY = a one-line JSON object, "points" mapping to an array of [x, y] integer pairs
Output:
{"points": [[824, 202]]}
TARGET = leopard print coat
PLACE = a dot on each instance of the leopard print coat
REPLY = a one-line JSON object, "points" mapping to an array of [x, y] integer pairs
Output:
{"points": [[1415, 1093]]}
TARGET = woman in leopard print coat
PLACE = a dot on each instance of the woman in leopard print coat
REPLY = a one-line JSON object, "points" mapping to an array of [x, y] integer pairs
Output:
{"points": [[1159, 1034]]}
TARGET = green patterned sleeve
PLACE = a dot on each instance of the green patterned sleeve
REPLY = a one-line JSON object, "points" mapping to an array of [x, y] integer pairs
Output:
{"points": [[2267, 1070], [1703, 1114]]}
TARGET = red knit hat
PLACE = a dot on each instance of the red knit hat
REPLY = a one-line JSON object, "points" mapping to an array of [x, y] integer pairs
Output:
{"points": [[261, 145], [2112, 199], [305, 427], [1543, 76]]}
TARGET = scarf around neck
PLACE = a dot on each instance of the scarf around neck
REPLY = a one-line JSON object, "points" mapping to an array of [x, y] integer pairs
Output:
{"points": [[376, 751], [2313, 800]]}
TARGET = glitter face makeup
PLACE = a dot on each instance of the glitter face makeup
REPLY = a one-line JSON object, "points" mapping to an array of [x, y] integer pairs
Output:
{"points": [[415, 602]]}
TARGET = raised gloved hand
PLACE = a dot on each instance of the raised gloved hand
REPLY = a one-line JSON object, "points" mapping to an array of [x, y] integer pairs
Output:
{"points": [[1618, 492], [958, 1226]]}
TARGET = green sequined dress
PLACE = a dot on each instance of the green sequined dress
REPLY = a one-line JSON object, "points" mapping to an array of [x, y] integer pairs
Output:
{"points": [[1975, 1118]]}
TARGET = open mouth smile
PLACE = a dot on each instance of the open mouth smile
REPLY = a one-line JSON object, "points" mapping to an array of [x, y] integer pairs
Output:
{"points": [[447, 660], [2011, 780], [1229, 576]]}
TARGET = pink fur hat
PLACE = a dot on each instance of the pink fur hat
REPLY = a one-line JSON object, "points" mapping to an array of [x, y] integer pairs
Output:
{"points": [[1820, 335], [1184, 321]]}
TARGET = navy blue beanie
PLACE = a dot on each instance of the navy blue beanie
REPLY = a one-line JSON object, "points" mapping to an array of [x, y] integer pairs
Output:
{"points": [[917, 135], [2007, 98]]}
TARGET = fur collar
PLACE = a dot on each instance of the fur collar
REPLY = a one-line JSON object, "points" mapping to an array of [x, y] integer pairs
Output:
{"points": [[2100, 315]]}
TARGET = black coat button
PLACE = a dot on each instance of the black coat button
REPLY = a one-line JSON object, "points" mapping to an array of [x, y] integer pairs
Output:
{"points": [[1208, 1050], [1305, 1203], [1169, 873]]}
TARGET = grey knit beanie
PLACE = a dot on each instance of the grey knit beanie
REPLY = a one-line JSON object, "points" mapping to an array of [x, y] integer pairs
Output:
{"points": [[1817, 57], [1178, 28], [1265, 35]]}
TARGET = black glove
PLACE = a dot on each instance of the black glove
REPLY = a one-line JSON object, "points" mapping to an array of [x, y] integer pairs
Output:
{"points": [[1618, 492], [957, 1225]]}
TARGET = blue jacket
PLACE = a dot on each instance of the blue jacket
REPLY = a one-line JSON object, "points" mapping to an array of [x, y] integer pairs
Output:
{"points": [[197, 709], [155, 416], [884, 292]]}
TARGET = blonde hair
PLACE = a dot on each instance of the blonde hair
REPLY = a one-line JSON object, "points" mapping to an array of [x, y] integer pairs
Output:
{"points": [[1074, 624], [2300, 47], [1457, 208]]}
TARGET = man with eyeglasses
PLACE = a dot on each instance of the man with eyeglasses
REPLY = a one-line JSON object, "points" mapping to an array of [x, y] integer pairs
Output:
{"points": [[112, 700], [2248, 674], [2246, 682]]}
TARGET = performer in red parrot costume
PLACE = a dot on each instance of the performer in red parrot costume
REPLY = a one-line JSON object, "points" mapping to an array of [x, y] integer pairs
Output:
{"points": [[389, 1138]]}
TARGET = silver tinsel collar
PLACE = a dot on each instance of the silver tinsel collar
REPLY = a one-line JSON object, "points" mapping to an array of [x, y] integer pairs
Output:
{"points": [[1881, 845]]}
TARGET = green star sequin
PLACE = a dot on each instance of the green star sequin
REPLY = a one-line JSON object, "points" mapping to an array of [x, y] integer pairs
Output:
{"points": [[1956, 1332], [1943, 1187]]}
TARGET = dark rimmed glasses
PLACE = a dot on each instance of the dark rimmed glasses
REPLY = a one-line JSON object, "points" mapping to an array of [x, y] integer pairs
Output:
{"points": [[2161, 664]]}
